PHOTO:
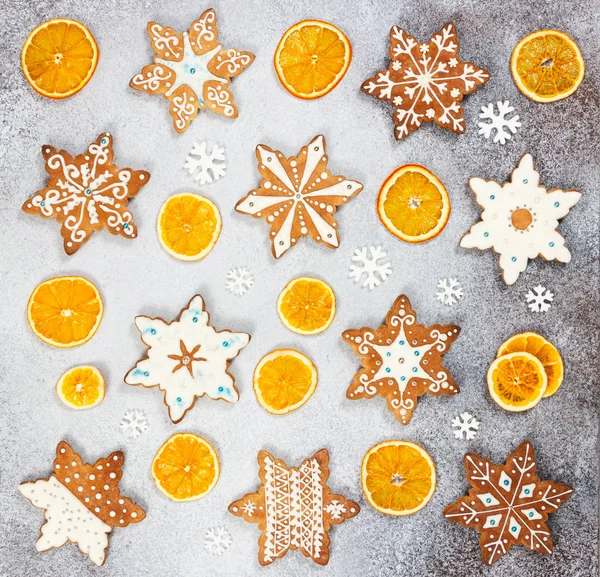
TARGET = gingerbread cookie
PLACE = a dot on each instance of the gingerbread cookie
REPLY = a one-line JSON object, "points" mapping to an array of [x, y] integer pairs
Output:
{"points": [[401, 360], [82, 503], [87, 192], [508, 504], [298, 196], [520, 219], [426, 81], [294, 508], [187, 358], [192, 70]]}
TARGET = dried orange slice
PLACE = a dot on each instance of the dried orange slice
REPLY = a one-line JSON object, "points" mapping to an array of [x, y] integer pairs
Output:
{"points": [[81, 387], [311, 58], [306, 305], [185, 468], [544, 351], [413, 204], [59, 57], [188, 226], [284, 380], [398, 477], [65, 311], [517, 381], [547, 65]]}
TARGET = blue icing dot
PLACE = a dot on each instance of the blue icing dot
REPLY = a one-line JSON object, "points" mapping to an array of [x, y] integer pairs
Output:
{"points": [[531, 514], [402, 378], [152, 331], [146, 374], [42, 204], [525, 181], [492, 522], [488, 500], [527, 491], [415, 369], [486, 234], [225, 344], [389, 354], [125, 225], [551, 244], [514, 259], [492, 197], [506, 482], [513, 528], [557, 204], [220, 389], [179, 400], [388, 370], [417, 353], [103, 141], [88, 191], [195, 320], [137, 372], [192, 71], [400, 342]]}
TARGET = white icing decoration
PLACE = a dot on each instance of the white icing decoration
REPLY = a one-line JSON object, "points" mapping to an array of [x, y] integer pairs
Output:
{"points": [[527, 491], [505, 482], [496, 229], [207, 376], [67, 519], [492, 521], [488, 499]]}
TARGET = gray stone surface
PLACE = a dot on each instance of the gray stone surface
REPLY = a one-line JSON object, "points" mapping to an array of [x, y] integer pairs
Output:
{"points": [[139, 277]]}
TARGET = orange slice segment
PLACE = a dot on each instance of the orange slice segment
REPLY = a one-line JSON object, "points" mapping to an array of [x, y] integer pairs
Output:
{"points": [[59, 57], [517, 381], [65, 311], [188, 226], [306, 305], [284, 380], [413, 204], [311, 58], [185, 468], [398, 477], [81, 387], [547, 65], [544, 351]]}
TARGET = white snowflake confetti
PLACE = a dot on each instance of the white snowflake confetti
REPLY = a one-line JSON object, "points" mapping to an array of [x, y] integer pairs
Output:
{"points": [[205, 165], [539, 299], [249, 508], [217, 540], [503, 126], [134, 423], [449, 291], [335, 509], [239, 281], [370, 267], [465, 426]]}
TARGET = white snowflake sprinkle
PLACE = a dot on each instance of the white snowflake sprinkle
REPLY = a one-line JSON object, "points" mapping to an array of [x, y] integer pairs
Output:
{"points": [[217, 540], [503, 126], [335, 509], [134, 423], [370, 267], [449, 291], [249, 508], [539, 299], [205, 165], [465, 426], [239, 281]]}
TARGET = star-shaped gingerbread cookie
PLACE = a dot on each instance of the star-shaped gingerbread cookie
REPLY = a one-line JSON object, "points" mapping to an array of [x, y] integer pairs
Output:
{"points": [[192, 70], [508, 504], [298, 196], [294, 508], [87, 192], [82, 503], [401, 360], [426, 81]]}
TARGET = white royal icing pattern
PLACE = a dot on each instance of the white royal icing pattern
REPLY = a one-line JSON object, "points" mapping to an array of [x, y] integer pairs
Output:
{"points": [[187, 358], [520, 219]]}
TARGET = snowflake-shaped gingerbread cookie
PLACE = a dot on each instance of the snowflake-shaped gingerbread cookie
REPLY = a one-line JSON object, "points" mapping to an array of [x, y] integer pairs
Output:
{"points": [[298, 196], [191, 70], [82, 503], [401, 360], [508, 504], [187, 358], [519, 220], [426, 81], [87, 192]]}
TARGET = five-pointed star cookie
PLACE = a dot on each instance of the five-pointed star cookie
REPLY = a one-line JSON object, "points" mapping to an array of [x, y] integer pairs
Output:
{"points": [[191, 70], [294, 508], [298, 196], [519, 219], [426, 81], [401, 360], [508, 504], [82, 503], [187, 358], [87, 192]]}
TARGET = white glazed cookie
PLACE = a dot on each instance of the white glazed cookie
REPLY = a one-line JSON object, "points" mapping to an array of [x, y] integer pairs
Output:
{"points": [[187, 358], [520, 219]]}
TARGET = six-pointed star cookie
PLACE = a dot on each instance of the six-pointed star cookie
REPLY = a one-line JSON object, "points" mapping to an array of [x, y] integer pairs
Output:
{"points": [[294, 508], [426, 81], [191, 70], [508, 504], [401, 360], [298, 196], [519, 219], [87, 192], [187, 358], [82, 503]]}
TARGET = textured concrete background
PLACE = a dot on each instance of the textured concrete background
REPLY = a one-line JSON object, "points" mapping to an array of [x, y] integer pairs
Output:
{"points": [[139, 277]]}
